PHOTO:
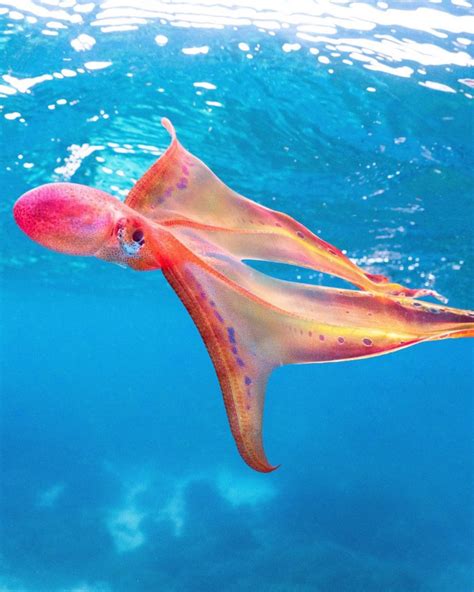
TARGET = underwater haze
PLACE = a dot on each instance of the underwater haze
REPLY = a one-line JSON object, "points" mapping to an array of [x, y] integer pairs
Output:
{"points": [[118, 472]]}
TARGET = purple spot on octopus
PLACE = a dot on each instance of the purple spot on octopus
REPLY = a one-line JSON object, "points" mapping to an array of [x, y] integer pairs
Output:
{"points": [[231, 333], [212, 303], [240, 362], [234, 350], [367, 342], [182, 183], [203, 295], [218, 316], [248, 380], [340, 339], [321, 338], [185, 170], [300, 234], [168, 192]]}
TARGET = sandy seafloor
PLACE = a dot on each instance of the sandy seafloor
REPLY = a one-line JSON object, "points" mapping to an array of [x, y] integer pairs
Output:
{"points": [[118, 472]]}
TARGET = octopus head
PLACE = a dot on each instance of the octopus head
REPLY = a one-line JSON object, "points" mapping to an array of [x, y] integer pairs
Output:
{"points": [[66, 217]]}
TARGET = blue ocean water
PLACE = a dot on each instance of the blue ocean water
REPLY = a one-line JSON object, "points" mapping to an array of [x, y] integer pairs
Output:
{"points": [[118, 472]]}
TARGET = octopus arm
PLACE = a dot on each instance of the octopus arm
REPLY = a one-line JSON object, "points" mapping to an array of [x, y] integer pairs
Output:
{"points": [[252, 323], [180, 191]]}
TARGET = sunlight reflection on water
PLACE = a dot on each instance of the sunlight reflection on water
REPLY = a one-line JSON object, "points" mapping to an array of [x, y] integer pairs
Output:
{"points": [[376, 36]]}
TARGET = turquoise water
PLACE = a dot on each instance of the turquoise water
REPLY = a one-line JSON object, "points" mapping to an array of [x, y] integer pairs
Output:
{"points": [[117, 468]]}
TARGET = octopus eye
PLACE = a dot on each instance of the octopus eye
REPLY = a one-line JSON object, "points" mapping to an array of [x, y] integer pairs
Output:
{"points": [[130, 242], [137, 236]]}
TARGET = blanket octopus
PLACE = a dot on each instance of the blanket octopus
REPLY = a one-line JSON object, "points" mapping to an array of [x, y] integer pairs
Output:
{"points": [[180, 218]]}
